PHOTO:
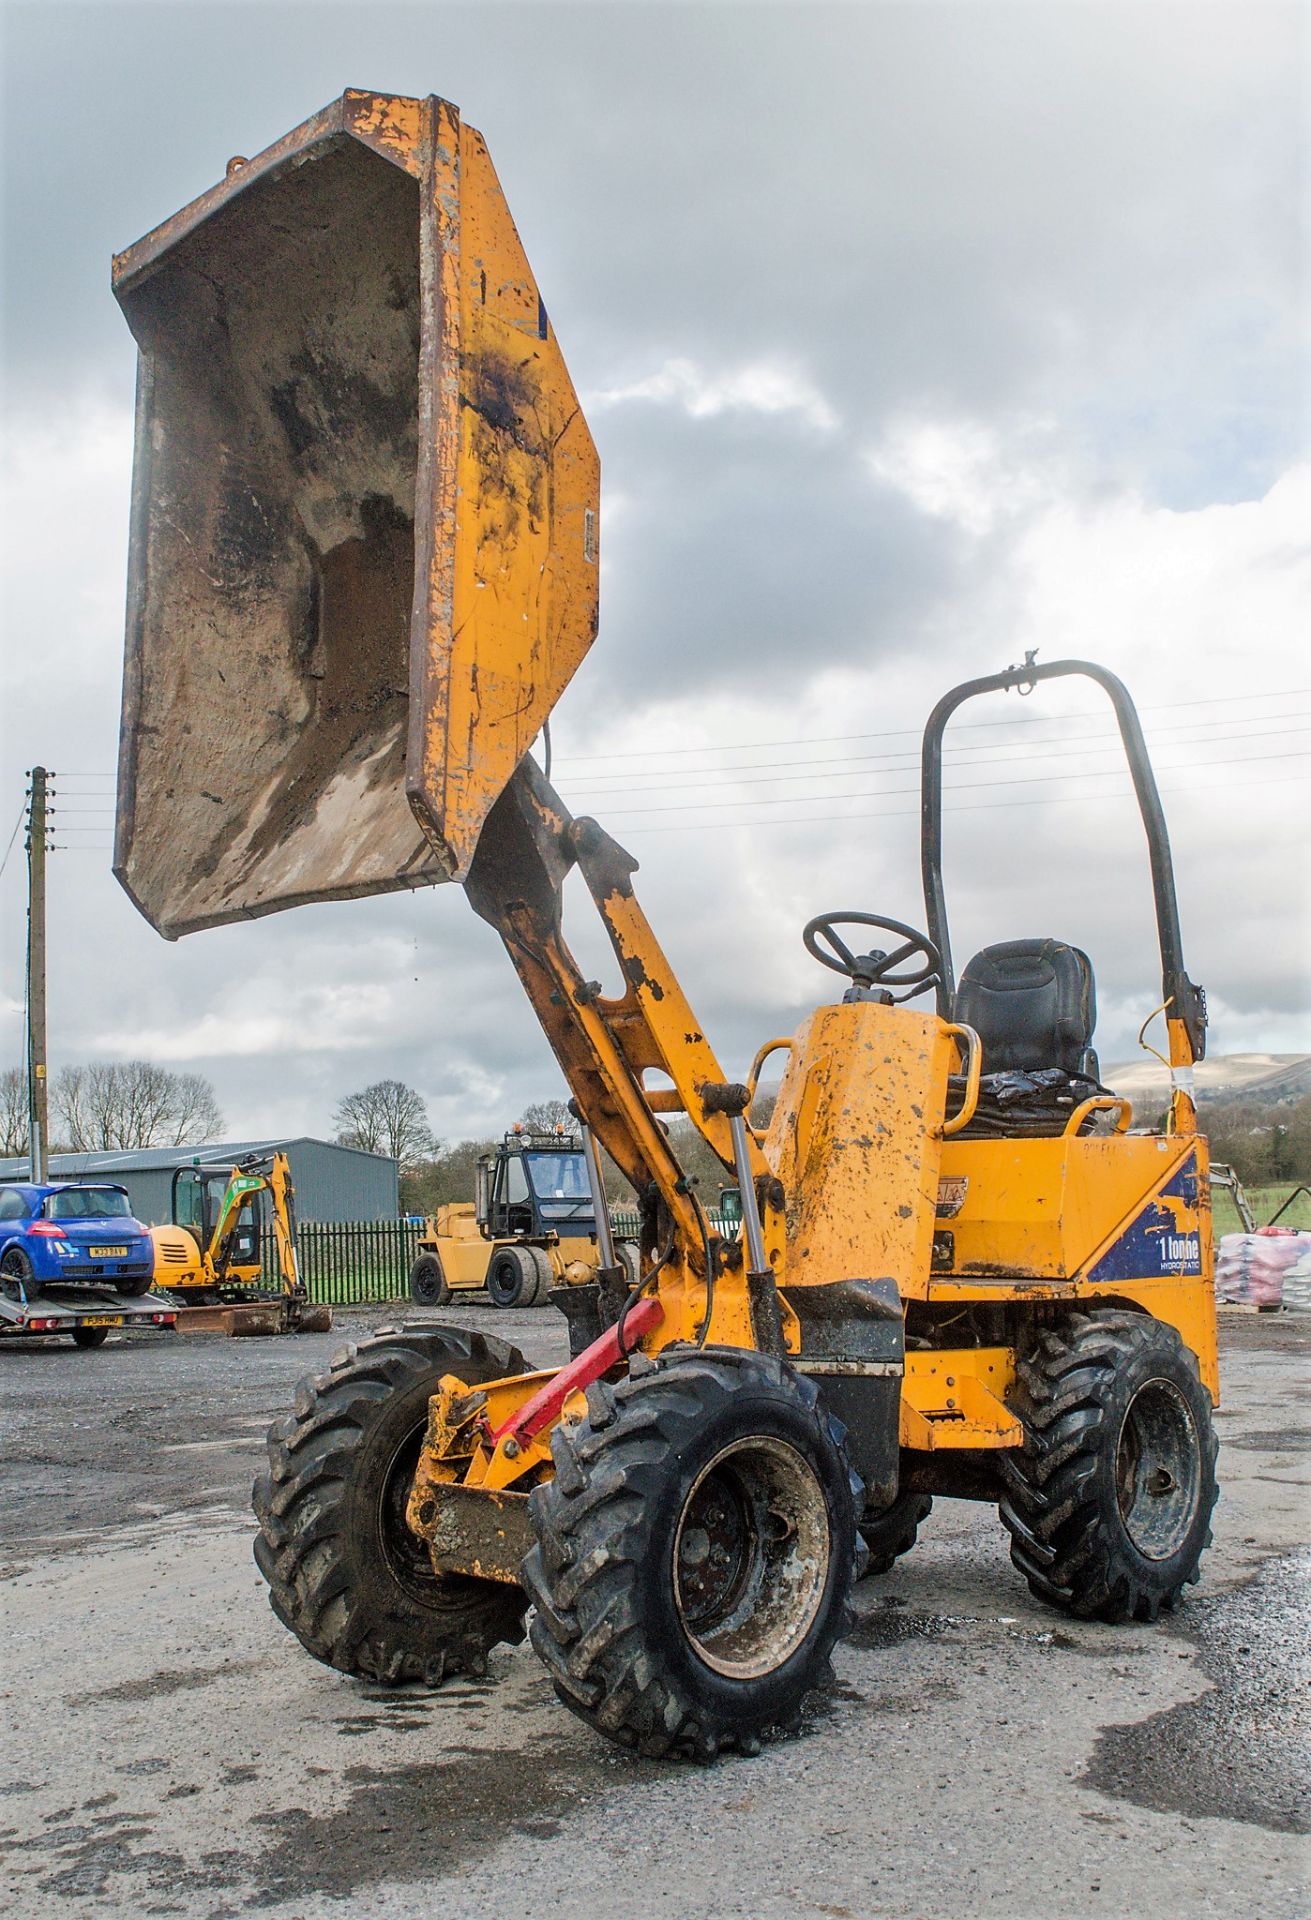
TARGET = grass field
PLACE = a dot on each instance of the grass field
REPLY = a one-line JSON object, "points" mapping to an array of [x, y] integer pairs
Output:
{"points": [[1263, 1201]]}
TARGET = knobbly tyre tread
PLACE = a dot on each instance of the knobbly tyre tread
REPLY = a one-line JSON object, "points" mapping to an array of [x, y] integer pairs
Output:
{"points": [[1066, 1539], [894, 1531], [592, 1552], [328, 1584]]}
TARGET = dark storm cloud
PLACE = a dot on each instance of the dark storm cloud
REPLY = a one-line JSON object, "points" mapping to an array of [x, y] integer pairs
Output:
{"points": [[747, 548], [769, 237], [969, 206]]}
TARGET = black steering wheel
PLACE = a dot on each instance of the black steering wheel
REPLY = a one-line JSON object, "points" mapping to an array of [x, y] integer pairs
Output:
{"points": [[876, 968]]}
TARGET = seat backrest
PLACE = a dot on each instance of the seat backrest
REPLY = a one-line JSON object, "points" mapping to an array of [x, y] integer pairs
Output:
{"points": [[1032, 1004]]}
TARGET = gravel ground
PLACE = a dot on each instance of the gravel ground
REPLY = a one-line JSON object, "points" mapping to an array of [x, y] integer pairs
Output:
{"points": [[170, 1750]]}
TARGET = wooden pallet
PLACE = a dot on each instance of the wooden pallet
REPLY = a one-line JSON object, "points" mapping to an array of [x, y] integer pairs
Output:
{"points": [[1249, 1306]]}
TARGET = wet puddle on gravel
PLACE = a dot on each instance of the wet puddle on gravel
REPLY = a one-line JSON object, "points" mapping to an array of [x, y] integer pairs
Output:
{"points": [[1241, 1750]]}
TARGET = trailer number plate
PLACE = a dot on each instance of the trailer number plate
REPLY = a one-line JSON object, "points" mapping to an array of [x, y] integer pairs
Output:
{"points": [[107, 1253], [100, 1320]]}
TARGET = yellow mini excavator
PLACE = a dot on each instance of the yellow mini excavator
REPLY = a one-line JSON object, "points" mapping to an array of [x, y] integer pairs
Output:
{"points": [[365, 493], [209, 1259]]}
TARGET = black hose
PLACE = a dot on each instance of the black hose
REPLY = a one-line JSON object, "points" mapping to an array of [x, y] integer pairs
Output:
{"points": [[704, 1225], [662, 1261]]}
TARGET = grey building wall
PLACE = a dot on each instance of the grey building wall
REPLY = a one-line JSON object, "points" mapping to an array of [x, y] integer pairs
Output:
{"points": [[331, 1182]]}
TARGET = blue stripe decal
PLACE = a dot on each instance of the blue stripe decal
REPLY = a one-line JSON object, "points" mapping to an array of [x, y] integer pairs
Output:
{"points": [[1165, 1238]]}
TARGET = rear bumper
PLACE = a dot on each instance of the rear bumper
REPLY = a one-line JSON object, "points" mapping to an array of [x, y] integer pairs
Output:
{"points": [[48, 1269]]}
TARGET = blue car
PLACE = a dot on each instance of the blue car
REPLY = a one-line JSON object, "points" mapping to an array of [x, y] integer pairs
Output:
{"points": [[66, 1232]]}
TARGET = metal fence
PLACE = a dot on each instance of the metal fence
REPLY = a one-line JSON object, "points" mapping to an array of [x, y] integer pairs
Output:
{"points": [[347, 1263]]}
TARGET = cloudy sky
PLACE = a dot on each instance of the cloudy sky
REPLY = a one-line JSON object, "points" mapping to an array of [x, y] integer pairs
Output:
{"points": [[912, 337]]}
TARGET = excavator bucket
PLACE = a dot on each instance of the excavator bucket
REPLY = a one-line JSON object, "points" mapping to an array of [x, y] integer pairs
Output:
{"points": [[363, 561]]}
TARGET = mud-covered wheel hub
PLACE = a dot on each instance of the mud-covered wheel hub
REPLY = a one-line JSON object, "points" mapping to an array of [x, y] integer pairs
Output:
{"points": [[695, 1552], [751, 1557], [1158, 1469]]}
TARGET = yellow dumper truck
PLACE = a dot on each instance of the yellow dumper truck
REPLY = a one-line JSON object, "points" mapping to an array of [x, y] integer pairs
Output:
{"points": [[365, 493]]}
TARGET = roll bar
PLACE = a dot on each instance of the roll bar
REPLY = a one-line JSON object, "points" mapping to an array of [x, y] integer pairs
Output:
{"points": [[1185, 1003]]}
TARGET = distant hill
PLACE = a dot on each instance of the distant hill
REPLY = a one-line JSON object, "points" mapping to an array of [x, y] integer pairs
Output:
{"points": [[1262, 1078]]}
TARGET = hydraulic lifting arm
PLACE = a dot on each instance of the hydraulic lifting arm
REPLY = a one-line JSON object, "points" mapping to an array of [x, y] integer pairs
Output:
{"points": [[608, 1050]]}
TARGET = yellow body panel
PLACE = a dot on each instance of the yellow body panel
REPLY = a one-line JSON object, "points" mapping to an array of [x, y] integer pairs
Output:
{"points": [[856, 1140], [177, 1257], [1043, 1209], [1030, 1220], [956, 1398]]}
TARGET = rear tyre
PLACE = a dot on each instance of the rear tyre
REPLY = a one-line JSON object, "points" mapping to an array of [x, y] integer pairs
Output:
{"points": [[630, 1259], [695, 1553], [518, 1277], [893, 1531], [345, 1573], [428, 1283], [16, 1277], [90, 1336], [1109, 1502]]}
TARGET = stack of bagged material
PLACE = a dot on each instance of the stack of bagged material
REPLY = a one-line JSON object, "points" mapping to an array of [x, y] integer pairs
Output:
{"points": [[1265, 1269], [1297, 1278]]}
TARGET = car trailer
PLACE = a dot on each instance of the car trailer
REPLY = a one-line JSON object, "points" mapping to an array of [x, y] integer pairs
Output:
{"points": [[87, 1313]]}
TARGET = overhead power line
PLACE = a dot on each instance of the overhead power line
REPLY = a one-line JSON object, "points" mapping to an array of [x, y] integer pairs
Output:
{"points": [[904, 733], [1094, 797], [901, 763], [963, 786]]}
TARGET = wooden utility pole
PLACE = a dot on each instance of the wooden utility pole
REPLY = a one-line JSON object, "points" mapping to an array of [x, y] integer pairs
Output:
{"points": [[38, 1090]]}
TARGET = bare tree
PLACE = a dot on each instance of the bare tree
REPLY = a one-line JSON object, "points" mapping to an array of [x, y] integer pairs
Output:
{"points": [[13, 1111], [544, 1116], [387, 1117], [196, 1115], [112, 1104]]}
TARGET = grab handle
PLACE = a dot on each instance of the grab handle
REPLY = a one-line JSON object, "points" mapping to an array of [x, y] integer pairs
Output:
{"points": [[972, 1047], [1101, 1103]]}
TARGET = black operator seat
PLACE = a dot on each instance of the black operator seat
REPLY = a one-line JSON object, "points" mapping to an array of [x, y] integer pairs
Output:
{"points": [[1033, 1004]]}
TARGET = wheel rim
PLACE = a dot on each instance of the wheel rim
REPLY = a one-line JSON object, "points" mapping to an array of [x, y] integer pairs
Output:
{"points": [[14, 1274], [427, 1284], [1158, 1469], [503, 1283], [751, 1557], [404, 1552]]}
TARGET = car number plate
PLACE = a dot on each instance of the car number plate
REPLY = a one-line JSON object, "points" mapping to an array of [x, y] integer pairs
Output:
{"points": [[107, 1253], [101, 1320]]}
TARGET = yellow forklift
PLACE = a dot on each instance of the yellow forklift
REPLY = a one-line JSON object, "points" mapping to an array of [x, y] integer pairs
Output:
{"points": [[210, 1258], [366, 492], [532, 1227]]}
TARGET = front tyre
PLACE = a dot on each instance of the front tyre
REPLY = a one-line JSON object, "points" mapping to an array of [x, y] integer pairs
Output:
{"points": [[428, 1283], [345, 1573], [695, 1553], [1109, 1502]]}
